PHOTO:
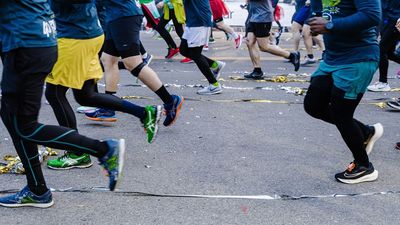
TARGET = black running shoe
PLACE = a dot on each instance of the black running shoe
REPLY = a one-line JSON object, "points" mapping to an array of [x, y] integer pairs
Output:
{"points": [[254, 75], [355, 174], [295, 60]]}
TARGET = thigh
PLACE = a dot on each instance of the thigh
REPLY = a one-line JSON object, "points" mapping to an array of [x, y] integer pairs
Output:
{"points": [[25, 70]]}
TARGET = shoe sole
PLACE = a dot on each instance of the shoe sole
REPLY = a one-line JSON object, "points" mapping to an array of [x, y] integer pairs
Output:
{"points": [[392, 106], [71, 167], [379, 90], [177, 112], [378, 134], [102, 119], [121, 159], [35, 205], [210, 93], [158, 118], [367, 178]]}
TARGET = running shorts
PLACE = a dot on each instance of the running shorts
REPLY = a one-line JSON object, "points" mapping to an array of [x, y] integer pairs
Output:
{"points": [[260, 30], [302, 15], [197, 36]]}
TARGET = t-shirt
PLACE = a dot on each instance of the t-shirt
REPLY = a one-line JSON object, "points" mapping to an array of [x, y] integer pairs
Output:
{"points": [[198, 13], [116, 9], [260, 11], [27, 23], [78, 21], [353, 38]]}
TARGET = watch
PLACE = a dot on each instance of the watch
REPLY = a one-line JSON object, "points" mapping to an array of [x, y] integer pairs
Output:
{"points": [[329, 25]]}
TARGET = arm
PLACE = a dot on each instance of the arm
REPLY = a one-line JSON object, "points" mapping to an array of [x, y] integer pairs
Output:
{"points": [[368, 15]]}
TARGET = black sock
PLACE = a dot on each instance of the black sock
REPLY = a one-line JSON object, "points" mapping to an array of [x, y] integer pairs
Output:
{"points": [[257, 70], [121, 65], [111, 92], [310, 56], [164, 95], [291, 56]]}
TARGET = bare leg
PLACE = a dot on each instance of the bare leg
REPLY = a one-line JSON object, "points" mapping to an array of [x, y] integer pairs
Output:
{"points": [[296, 28], [111, 72], [147, 75], [263, 44], [307, 39], [253, 50]]}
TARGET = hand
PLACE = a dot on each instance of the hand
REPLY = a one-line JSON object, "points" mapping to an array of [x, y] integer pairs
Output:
{"points": [[398, 24], [317, 25]]}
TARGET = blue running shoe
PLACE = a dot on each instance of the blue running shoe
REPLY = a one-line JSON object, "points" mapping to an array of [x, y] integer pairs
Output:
{"points": [[102, 115], [148, 59], [172, 110], [113, 161], [26, 198]]}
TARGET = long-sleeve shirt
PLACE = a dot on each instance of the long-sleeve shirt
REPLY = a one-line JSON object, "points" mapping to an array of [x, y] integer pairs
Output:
{"points": [[391, 9], [353, 38], [27, 24]]}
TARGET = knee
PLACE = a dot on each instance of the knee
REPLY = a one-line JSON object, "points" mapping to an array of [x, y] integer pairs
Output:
{"points": [[184, 51], [311, 107]]}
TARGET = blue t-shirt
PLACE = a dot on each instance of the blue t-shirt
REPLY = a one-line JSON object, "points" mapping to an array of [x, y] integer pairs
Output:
{"points": [[116, 9], [198, 13], [353, 38], [27, 23], [101, 13], [77, 21]]}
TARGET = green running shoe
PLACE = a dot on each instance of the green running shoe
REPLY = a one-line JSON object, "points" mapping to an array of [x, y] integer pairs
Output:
{"points": [[69, 161], [150, 123]]}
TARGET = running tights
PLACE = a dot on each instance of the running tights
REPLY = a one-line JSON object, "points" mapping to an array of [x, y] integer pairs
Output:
{"points": [[160, 28], [201, 61], [389, 38], [326, 102]]}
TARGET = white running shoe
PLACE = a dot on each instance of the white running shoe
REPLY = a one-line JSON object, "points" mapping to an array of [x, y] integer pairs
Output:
{"points": [[378, 132], [379, 86], [85, 109], [238, 41], [210, 90]]}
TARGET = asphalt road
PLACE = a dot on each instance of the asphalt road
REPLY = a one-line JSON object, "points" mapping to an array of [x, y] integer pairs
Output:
{"points": [[220, 147]]}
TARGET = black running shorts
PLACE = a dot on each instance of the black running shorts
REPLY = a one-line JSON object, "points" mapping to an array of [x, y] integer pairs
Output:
{"points": [[123, 37], [260, 30]]}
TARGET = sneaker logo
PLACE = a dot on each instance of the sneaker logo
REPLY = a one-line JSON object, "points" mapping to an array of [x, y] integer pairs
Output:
{"points": [[353, 175]]}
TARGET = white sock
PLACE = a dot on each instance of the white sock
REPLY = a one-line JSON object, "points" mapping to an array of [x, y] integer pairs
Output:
{"points": [[144, 55]]}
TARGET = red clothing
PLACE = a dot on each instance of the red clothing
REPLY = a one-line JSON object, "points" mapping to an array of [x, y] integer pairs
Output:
{"points": [[219, 9]]}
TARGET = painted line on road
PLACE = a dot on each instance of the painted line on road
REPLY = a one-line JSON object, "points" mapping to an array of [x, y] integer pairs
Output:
{"points": [[247, 197]]}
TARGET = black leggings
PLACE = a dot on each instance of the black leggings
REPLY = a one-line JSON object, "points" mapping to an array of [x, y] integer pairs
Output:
{"points": [[326, 102], [202, 62], [25, 70], [87, 96], [389, 38], [160, 28]]}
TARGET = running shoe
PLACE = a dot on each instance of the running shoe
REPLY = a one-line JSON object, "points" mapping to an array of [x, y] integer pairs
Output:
{"points": [[26, 198], [172, 110], [394, 104], [150, 123], [210, 90], [187, 60], [379, 87], [172, 52], [217, 71], [85, 109], [102, 115], [238, 41], [355, 174], [69, 161], [148, 59], [296, 61], [308, 61], [113, 161], [254, 75], [206, 48], [376, 133], [397, 146]]}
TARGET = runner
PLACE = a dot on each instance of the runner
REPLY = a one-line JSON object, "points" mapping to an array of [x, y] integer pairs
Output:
{"points": [[124, 41], [389, 38], [173, 10], [219, 10], [197, 32], [80, 38], [29, 57], [342, 78], [258, 28]]}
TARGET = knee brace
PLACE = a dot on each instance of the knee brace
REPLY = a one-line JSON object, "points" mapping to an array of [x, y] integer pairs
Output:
{"points": [[136, 71]]}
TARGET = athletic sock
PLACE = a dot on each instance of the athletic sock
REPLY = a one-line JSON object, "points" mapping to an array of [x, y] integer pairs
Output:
{"points": [[257, 70], [133, 109], [164, 95], [235, 35], [144, 55], [214, 65], [111, 92], [291, 56], [216, 84], [310, 56], [121, 65]]}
